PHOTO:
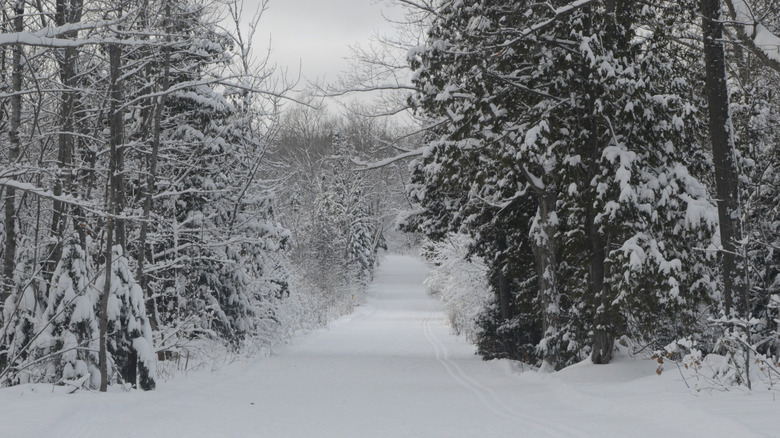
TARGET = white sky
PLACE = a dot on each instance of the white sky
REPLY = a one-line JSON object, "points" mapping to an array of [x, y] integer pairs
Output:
{"points": [[316, 34]]}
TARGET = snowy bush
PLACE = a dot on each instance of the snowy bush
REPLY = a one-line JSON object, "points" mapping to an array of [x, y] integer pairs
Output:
{"points": [[459, 281], [733, 363]]}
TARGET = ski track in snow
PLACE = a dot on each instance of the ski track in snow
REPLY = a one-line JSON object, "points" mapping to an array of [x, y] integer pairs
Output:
{"points": [[487, 396], [392, 369]]}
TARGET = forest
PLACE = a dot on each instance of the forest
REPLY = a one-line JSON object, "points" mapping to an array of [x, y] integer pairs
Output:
{"points": [[580, 175], [610, 170]]}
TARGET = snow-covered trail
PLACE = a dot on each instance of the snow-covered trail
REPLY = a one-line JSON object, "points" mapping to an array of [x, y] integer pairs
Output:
{"points": [[391, 369]]}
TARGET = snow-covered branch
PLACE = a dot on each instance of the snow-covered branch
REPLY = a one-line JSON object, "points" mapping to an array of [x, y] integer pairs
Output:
{"points": [[557, 14], [382, 163], [65, 199], [755, 35]]}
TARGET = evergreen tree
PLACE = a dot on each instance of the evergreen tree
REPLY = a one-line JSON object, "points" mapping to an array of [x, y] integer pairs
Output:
{"points": [[580, 112], [130, 344], [71, 325], [158, 102], [755, 116], [219, 219]]}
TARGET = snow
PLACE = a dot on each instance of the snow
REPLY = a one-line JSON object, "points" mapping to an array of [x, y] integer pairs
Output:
{"points": [[48, 194], [145, 352], [764, 40], [392, 369], [532, 134]]}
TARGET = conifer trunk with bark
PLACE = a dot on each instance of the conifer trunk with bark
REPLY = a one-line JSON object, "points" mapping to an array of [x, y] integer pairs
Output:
{"points": [[546, 252], [724, 158]]}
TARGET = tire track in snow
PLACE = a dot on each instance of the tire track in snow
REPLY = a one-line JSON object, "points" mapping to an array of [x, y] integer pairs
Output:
{"points": [[488, 397]]}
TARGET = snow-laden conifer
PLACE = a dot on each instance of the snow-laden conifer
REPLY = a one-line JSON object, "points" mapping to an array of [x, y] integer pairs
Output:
{"points": [[130, 340], [70, 325], [576, 118]]}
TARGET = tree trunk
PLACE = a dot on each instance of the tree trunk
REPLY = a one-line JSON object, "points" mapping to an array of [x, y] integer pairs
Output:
{"points": [[103, 326], [118, 133], [724, 158], [9, 259], [603, 337], [504, 291], [545, 250], [151, 181], [66, 13], [116, 142]]}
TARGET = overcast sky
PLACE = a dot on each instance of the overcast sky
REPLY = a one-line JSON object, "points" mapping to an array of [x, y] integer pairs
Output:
{"points": [[316, 34]]}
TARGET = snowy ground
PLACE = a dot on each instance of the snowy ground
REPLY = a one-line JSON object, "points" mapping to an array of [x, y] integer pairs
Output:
{"points": [[392, 369]]}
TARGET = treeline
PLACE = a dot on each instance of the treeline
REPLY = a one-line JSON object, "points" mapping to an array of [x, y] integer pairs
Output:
{"points": [[146, 174], [338, 212], [135, 134], [615, 165]]}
